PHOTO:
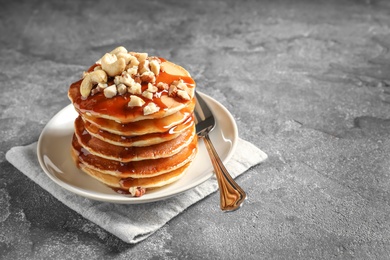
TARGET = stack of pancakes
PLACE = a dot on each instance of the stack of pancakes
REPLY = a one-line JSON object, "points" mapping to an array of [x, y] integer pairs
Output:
{"points": [[122, 143]]}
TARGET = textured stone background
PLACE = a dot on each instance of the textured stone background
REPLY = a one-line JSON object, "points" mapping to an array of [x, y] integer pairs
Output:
{"points": [[307, 81]]}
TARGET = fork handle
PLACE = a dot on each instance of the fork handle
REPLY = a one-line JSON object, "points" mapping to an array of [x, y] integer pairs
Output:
{"points": [[231, 194]]}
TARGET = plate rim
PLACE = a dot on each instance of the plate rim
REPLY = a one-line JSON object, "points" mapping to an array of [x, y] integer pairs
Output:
{"points": [[113, 198]]}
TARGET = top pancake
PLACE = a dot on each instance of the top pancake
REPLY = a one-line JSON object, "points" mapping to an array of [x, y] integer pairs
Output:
{"points": [[116, 108]]}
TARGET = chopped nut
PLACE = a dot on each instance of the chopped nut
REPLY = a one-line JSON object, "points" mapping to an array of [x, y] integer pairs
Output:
{"points": [[162, 86], [137, 191], [129, 70], [110, 91], [147, 94], [182, 86], [101, 86], [172, 90], [115, 51], [125, 78], [179, 88], [126, 56], [135, 88], [155, 67], [118, 50], [141, 57], [152, 88], [148, 76], [151, 108], [133, 61], [135, 101], [183, 94], [118, 80], [177, 82], [122, 89], [132, 70], [144, 67], [137, 78]]}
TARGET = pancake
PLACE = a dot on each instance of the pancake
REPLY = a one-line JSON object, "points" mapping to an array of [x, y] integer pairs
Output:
{"points": [[136, 129], [119, 111], [127, 183], [139, 140], [141, 127], [135, 169], [105, 150]]}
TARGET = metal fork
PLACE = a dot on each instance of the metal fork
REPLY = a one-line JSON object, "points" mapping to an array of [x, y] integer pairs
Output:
{"points": [[231, 194]]}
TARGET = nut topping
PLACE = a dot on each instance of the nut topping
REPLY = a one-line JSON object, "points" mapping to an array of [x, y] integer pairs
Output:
{"points": [[135, 101], [129, 70], [110, 91], [183, 94], [147, 94], [112, 64], [122, 89], [155, 67], [137, 191], [97, 76], [151, 108]]}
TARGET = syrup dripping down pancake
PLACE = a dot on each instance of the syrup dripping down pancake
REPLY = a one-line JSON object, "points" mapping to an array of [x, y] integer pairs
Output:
{"points": [[138, 140], [142, 127], [105, 150], [135, 169]]}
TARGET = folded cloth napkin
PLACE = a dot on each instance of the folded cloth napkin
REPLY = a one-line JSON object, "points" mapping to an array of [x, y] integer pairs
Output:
{"points": [[131, 223]]}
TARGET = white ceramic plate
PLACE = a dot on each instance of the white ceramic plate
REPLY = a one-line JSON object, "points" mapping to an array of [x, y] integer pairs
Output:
{"points": [[54, 146]]}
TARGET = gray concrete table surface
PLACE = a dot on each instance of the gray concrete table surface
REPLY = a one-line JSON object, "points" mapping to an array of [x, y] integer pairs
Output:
{"points": [[308, 82]]}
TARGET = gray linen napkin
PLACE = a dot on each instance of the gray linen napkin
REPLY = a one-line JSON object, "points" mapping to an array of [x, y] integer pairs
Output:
{"points": [[131, 223]]}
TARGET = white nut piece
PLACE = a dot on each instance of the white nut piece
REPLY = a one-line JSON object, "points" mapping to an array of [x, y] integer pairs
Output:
{"points": [[135, 89], [101, 86], [132, 70], [172, 90], [148, 76], [118, 50], [183, 94], [135, 101], [137, 191], [144, 67], [141, 56], [182, 86], [122, 89], [126, 56], [133, 61], [155, 67], [112, 65], [151, 108], [125, 78], [152, 88], [162, 86], [147, 94], [110, 91], [94, 77]]}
